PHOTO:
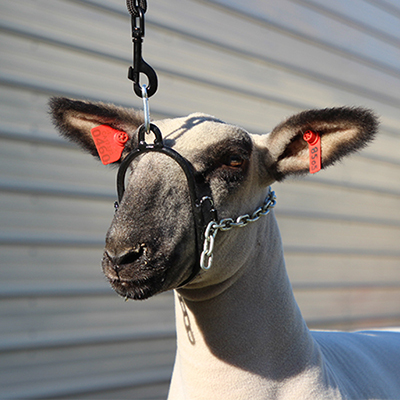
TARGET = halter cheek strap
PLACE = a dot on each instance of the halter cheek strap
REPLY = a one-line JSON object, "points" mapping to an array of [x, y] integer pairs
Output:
{"points": [[200, 193]]}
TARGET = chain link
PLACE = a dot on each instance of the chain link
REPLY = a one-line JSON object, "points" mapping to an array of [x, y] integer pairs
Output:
{"points": [[133, 7], [227, 224]]}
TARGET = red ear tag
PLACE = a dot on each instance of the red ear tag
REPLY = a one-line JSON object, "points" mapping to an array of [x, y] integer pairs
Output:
{"points": [[109, 142], [314, 147]]}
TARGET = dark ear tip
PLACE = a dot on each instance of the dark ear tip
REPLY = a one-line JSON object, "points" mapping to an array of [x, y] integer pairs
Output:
{"points": [[57, 106], [54, 104], [363, 114], [368, 122], [61, 103], [55, 101], [372, 120]]}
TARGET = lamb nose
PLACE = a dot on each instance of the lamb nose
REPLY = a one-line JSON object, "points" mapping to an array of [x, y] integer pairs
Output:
{"points": [[129, 257]]}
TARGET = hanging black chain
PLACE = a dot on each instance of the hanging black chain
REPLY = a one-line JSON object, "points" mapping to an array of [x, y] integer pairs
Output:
{"points": [[133, 6], [137, 9]]}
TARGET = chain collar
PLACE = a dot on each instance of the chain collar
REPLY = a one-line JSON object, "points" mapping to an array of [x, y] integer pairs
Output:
{"points": [[227, 224]]}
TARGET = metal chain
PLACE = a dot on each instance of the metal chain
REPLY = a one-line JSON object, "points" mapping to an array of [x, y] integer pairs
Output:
{"points": [[227, 224], [133, 8]]}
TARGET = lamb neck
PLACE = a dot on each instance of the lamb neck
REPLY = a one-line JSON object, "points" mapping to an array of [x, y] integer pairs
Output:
{"points": [[248, 340]]}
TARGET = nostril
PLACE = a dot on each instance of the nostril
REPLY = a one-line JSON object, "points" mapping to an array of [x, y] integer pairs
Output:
{"points": [[130, 257], [118, 262]]}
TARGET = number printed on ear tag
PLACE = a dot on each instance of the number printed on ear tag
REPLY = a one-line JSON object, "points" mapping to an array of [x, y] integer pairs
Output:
{"points": [[314, 148], [109, 142]]}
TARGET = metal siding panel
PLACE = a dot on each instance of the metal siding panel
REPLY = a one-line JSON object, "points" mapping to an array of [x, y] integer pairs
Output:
{"points": [[73, 320], [64, 333], [325, 65], [341, 270], [390, 6], [262, 44], [350, 308], [335, 202], [371, 16], [69, 345], [37, 264], [325, 30]]}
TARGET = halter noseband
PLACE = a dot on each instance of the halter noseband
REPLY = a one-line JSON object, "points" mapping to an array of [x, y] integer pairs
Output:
{"points": [[200, 193]]}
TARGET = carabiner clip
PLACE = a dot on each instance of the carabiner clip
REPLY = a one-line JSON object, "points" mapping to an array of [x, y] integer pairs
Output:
{"points": [[139, 65]]}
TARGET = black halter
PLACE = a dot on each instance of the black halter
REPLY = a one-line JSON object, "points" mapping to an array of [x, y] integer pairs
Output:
{"points": [[200, 192]]}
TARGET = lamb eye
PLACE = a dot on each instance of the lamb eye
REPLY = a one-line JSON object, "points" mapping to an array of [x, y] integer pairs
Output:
{"points": [[235, 161]]}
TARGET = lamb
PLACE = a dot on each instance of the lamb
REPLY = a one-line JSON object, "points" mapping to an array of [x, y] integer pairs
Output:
{"points": [[240, 333]]}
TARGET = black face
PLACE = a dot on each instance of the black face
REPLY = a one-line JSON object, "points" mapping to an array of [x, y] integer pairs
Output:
{"points": [[151, 244], [152, 233]]}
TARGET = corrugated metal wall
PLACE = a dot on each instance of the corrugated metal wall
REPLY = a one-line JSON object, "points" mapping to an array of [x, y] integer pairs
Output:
{"points": [[63, 332]]}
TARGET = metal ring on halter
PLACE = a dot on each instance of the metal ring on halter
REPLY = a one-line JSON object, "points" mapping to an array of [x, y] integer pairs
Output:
{"points": [[146, 108]]}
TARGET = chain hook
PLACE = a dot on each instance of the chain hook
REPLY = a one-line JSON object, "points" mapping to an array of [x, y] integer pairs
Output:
{"points": [[140, 66]]}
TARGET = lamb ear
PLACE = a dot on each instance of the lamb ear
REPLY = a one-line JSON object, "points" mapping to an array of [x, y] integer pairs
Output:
{"points": [[75, 119], [343, 131]]}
